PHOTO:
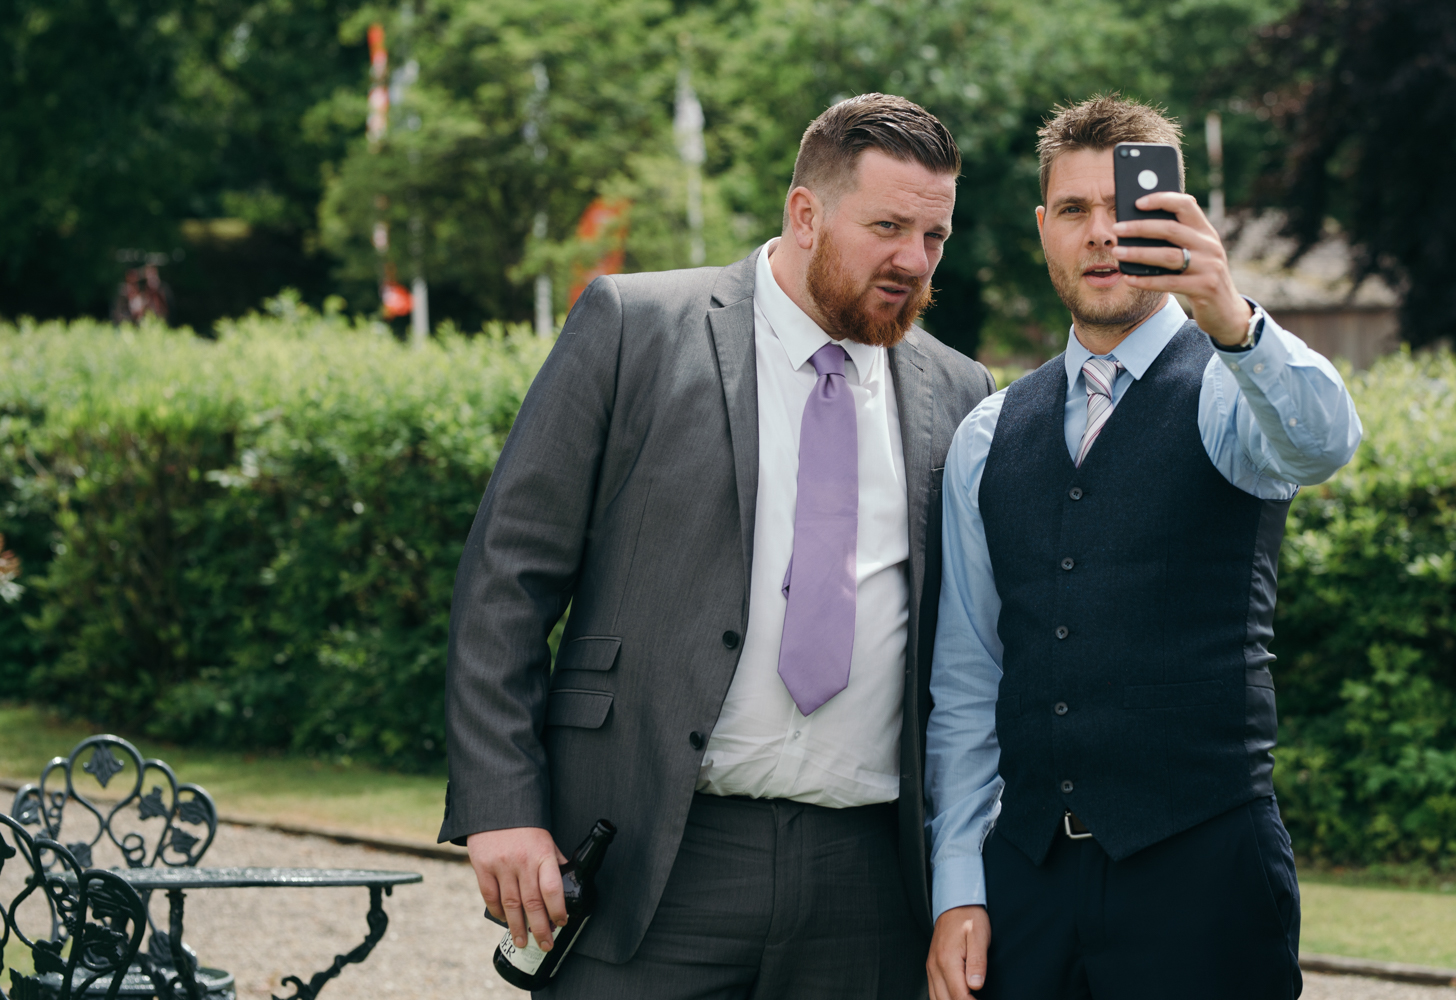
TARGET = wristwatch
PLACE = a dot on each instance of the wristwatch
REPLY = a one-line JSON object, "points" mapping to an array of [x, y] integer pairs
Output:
{"points": [[1251, 335]]}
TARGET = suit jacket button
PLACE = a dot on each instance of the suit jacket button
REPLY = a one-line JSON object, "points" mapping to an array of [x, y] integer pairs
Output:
{"points": [[730, 640], [1062, 632], [1060, 708], [1075, 493], [1066, 788], [697, 740], [1067, 563]]}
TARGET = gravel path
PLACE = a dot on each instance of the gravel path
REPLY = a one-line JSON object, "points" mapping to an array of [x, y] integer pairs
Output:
{"points": [[438, 944], [1318, 986]]}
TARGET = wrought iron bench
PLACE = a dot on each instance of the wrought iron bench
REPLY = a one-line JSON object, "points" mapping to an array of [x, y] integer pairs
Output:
{"points": [[66, 895], [171, 825]]}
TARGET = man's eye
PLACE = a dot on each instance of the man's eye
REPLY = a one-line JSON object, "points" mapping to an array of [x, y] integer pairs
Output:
{"points": [[885, 225]]}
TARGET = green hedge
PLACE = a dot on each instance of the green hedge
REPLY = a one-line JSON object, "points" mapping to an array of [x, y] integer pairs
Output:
{"points": [[250, 541], [1366, 633]]}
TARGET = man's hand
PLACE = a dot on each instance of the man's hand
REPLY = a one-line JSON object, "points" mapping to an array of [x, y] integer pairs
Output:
{"points": [[957, 962], [519, 871], [1217, 306]]}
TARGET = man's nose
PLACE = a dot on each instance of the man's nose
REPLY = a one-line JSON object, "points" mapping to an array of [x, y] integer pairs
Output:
{"points": [[911, 258], [1100, 234]]}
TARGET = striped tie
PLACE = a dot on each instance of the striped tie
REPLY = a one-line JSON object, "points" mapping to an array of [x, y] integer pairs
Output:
{"points": [[1099, 374]]}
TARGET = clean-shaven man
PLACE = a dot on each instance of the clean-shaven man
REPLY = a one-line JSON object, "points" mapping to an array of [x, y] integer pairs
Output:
{"points": [[733, 476], [1112, 530]]}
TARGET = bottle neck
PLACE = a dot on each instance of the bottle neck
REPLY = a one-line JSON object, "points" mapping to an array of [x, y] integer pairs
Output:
{"points": [[588, 857]]}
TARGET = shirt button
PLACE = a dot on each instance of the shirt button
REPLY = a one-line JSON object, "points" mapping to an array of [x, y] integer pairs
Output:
{"points": [[1066, 788], [1259, 368], [1060, 708], [1293, 421], [797, 733], [1062, 632], [1067, 563], [1075, 493], [730, 640], [696, 740], [1233, 366]]}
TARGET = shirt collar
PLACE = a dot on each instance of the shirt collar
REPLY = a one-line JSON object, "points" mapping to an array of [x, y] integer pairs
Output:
{"points": [[800, 335], [1139, 349]]}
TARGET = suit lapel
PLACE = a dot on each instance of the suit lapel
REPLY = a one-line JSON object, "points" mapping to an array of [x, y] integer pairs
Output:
{"points": [[730, 318], [914, 399]]}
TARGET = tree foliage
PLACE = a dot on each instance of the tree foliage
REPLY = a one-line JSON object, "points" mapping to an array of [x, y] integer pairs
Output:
{"points": [[1365, 92]]}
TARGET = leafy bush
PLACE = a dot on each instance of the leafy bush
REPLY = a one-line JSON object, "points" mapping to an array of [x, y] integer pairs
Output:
{"points": [[252, 542], [246, 542], [1366, 633]]}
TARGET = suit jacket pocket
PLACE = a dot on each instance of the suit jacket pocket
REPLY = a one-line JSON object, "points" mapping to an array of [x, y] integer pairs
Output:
{"points": [[1186, 695], [579, 708], [589, 652]]}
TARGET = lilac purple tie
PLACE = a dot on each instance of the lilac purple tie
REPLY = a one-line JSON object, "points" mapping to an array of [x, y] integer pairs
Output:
{"points": [[820, 583]]}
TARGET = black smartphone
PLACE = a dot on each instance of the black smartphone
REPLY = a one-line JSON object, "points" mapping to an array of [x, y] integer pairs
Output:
{"points": [[1140, 168]]}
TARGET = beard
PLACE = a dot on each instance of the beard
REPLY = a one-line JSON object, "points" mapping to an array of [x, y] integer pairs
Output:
{"points": [[843, 302], [1090, 312]]}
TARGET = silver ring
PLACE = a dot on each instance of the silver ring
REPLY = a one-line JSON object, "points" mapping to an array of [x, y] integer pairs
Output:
{"points": [[1187, 258]]}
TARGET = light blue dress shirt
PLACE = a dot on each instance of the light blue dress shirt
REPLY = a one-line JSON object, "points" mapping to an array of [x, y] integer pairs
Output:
{"points": [[1272, 418]]}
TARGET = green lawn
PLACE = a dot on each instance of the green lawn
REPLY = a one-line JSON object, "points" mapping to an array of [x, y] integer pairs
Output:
{"points": [[1363, 921], [256, 786]]}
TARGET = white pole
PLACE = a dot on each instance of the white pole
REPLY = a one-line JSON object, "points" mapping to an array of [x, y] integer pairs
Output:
{"points": [[535, 118], [1213, 133], [687, 125]]}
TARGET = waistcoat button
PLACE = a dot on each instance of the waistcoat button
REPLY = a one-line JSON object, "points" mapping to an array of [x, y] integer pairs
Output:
{"points": [[696, 740], [1067, 563], [1062, 631], [730, 640], [1075, 493], [1060, 708], [1066, 787]]}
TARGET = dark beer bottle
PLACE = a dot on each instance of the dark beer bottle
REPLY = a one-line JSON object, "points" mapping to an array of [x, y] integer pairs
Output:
{"points": [[530, 968]]}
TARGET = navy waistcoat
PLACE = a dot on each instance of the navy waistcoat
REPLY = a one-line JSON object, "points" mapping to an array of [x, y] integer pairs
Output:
{"points": [[1137, 606]]}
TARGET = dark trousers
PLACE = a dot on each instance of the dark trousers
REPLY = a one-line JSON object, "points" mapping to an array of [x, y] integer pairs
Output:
{"points": [[1209, 914], [771, 899]]}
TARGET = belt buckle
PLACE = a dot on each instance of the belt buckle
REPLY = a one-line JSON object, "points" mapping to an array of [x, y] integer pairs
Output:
{"points": [[1067, 826]]}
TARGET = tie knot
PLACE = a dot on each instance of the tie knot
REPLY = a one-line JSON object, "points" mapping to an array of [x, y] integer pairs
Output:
{"points": [[829, 360], [1100, 373]]}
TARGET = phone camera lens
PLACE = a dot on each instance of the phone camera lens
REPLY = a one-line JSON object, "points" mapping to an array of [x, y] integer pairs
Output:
{"points": [[1122, 152]]}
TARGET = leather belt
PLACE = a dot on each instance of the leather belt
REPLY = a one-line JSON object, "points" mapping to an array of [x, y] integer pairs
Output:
{"points": [[1074, 828]]}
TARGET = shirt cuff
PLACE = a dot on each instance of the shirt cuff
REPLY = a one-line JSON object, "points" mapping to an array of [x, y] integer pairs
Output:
{"points": [[1258, 367], [958, 881]]}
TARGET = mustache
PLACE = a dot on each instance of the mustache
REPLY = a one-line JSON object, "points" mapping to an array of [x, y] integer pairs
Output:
{"points": [[1098, 261], [893, 277]]}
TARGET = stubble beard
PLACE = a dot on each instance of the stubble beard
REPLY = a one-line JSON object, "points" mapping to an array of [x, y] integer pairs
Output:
{"points": [[843, 302], [1100, 315]]}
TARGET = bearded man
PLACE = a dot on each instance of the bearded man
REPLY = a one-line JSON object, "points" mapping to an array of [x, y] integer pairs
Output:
{"points": [[1101, 672], [732, 475]]}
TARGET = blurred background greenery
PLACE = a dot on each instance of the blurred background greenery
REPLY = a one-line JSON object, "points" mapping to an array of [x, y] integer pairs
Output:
{"points": [[246, 539], [226, 138]]}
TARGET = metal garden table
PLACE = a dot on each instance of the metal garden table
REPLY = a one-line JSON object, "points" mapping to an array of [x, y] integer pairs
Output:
{"points": [[174, 881]]}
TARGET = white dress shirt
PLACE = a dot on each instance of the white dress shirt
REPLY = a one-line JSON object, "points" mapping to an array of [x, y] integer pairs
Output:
{"points": [[847, 753]]}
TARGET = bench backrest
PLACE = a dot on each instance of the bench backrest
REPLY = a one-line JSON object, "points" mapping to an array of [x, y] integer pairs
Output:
{"points": [[104, 799]]}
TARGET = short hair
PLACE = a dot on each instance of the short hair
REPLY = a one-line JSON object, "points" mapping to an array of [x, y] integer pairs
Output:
{"points": [[830, 150], [1101, 123]]}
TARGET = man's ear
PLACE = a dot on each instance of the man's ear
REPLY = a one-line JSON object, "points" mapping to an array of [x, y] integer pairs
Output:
{"points": [[804, 211], [1040, 219]]}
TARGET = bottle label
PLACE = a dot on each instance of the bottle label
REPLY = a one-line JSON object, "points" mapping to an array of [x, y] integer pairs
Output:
{"points": [[529, 958]]}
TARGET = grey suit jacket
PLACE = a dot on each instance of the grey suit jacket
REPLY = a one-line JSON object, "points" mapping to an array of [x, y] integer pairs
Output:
{"points": [[627, 490]]}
